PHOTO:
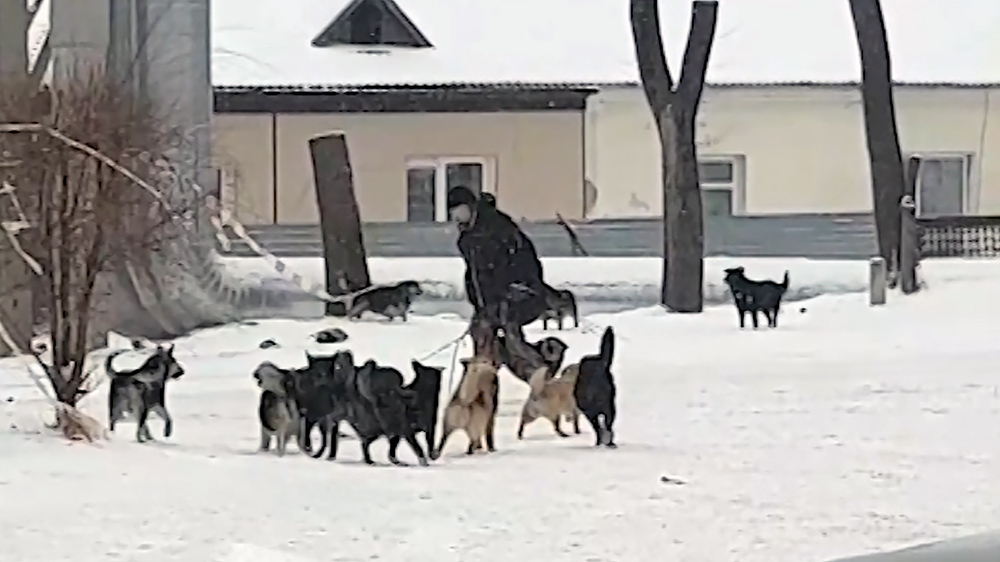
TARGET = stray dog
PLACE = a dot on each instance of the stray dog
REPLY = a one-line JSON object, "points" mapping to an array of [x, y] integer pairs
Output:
{"points": [[278, 412], [552, 398], [595, 391], [141, 391], [559, 304], [391, 301], [423, 408], [756, 296], [551, 349], [371, 399], [473, 407], [317, 387]]}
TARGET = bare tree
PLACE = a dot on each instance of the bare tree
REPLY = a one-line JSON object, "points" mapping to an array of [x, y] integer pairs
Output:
{"points": [[675, 110], [884, 154], [87, 156]]}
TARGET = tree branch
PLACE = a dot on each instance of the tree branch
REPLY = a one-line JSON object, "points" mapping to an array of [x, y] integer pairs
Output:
{"points": [[704, 15], [648, 41]]}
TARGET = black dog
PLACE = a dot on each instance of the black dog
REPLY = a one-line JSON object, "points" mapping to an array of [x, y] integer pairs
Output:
{"points": [[143, 390], [371, 399], [391, 301], [315, 392], [595, 391], [424, 401], [756, 296], [559, 304]]}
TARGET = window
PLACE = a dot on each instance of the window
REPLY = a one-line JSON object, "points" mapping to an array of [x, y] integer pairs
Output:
{"points": [[428, 182], [421, 182], [719, 179], [942, 184]]}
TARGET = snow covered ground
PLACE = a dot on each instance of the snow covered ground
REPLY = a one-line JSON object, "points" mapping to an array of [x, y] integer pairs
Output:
{"points": [[633, 281], [847, 430]]}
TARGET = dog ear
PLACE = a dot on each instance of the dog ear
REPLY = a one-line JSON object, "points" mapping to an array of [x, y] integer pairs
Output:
{"points": [[417, 367], [170, 350]]}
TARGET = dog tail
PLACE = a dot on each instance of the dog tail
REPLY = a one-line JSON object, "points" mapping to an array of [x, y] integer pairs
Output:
{"points": [[607, 347], [107, 363], [784, 282], [537, 380], [364, 375]]}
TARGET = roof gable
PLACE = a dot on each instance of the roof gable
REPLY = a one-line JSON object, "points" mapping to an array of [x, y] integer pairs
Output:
{"points": [[264, 43], [371, 22]]}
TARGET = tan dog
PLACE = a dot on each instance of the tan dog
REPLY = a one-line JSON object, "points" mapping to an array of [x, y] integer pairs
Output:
{"points": [[552, 399], [473, 408]]}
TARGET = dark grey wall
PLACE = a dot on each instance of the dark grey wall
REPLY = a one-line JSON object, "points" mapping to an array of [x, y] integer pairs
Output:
{"points": [[841, 236]]}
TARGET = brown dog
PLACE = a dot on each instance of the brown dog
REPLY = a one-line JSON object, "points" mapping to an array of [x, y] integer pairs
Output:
{"points": [[552, 398], [473, 408]]}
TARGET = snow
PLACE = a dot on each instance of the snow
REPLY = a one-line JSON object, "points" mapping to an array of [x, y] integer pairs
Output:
{"points": [[849, 429], [267, 43], [621, 280]]}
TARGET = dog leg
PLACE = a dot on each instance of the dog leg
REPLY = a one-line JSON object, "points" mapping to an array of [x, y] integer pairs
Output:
{"points": [[141, 431], [305, 439], [491, 422], [282, 440], [411, 439], [558, 428], [526, 418], [393, 447], [333, 430], [609, 422], [768, 317], [575, 416], [598, 432], [545, 323], [446, 432], [777, 307], [366, 444], [265, 439], [168, 423], [475, 444], [743, 317], [429, 436], [753, 317]]}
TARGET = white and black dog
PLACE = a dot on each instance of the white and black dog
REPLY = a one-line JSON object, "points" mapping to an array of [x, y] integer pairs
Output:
{"points": [[141, 391], [391, 301], [278, 411]]}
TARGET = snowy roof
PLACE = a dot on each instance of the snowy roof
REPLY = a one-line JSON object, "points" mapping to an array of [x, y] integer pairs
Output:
{"points": [[267, 43]]}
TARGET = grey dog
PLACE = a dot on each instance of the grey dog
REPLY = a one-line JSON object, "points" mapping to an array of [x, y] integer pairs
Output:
{"points": [[278, 411], [142, 391]]}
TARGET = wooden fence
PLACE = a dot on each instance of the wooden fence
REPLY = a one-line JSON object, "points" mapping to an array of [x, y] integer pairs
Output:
{"points": [[960, 237]]}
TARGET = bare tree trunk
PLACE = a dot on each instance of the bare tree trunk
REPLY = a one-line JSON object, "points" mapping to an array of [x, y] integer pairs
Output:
{"points": [[340, 219], [675, 110], [885, 156], [909, 245]]}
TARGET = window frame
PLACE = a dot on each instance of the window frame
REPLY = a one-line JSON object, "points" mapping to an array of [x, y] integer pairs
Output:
{"points": [[968, 171], [736, 186], [440, 165]]}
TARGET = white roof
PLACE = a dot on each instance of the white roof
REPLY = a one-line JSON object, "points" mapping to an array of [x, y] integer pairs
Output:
{"points": [[268, 43]]}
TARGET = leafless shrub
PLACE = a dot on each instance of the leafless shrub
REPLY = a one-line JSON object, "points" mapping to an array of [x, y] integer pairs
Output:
{"points": [[74, 179]]}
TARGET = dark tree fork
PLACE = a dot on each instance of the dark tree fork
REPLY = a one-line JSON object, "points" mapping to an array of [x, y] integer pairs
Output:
{"points": [[674, 108], [885, 156]]}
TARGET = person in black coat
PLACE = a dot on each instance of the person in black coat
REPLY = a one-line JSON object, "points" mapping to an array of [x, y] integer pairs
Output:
{"points": [[503, 275]]}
